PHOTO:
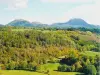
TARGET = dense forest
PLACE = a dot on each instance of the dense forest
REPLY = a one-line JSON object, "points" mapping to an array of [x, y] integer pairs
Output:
{"points": [[29, 48]]}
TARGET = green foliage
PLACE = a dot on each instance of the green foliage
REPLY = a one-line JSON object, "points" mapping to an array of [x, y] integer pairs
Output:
{"points": [[10, 66], [70, 59], [90, 70], [25, 49], [66, 68], [62, 68]]}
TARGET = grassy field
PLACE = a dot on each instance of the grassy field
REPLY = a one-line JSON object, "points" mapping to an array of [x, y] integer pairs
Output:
{"points": [[20, 29], [50, 66], [89, 37], [20, 72], [90, 53]]}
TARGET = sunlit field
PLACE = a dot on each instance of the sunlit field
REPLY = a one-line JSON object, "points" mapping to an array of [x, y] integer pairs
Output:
{"points": [[20, 72]]}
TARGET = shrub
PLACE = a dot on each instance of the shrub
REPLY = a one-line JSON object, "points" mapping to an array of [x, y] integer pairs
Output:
{"points": [[62, 68], [90, 70]]}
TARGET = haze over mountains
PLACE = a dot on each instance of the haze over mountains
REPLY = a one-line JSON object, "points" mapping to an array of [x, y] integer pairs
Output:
{"points": [[25, 23], [1, 25], [76, 22]]}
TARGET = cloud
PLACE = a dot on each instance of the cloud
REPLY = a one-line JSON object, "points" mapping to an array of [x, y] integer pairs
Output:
{"points": [[89, 12], [68, 1], [14, 4]]}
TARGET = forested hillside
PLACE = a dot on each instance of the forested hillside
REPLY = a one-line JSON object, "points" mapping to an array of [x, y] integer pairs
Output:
{"points": [[28, 49]]}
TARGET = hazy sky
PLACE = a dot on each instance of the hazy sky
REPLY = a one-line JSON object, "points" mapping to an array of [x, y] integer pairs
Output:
{"points": [[50, 11]]}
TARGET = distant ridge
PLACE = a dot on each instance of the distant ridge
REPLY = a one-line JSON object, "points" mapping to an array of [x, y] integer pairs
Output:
{"points": [[25, 23], [75, 22], [1, 25], [20, 22]]}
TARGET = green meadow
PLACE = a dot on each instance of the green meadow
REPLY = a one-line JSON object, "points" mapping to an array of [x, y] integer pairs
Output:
{"points": [[21, 72], [90, 53], [52, 67]]}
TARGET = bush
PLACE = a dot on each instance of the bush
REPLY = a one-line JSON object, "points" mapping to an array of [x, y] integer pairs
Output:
{"points": [[68, 68], [62, 68], [31, 67], [90, 70], [10, 66]]}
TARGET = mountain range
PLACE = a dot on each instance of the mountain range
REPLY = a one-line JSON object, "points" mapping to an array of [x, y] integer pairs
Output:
{"points": [[76, 22], [1, 25], [25, 23]]}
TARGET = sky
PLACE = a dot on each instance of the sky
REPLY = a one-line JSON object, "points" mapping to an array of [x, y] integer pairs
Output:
{"points": [[50, 11]]}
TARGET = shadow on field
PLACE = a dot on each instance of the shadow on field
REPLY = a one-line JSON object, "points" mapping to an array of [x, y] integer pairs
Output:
{"points": [[80, 74]]}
